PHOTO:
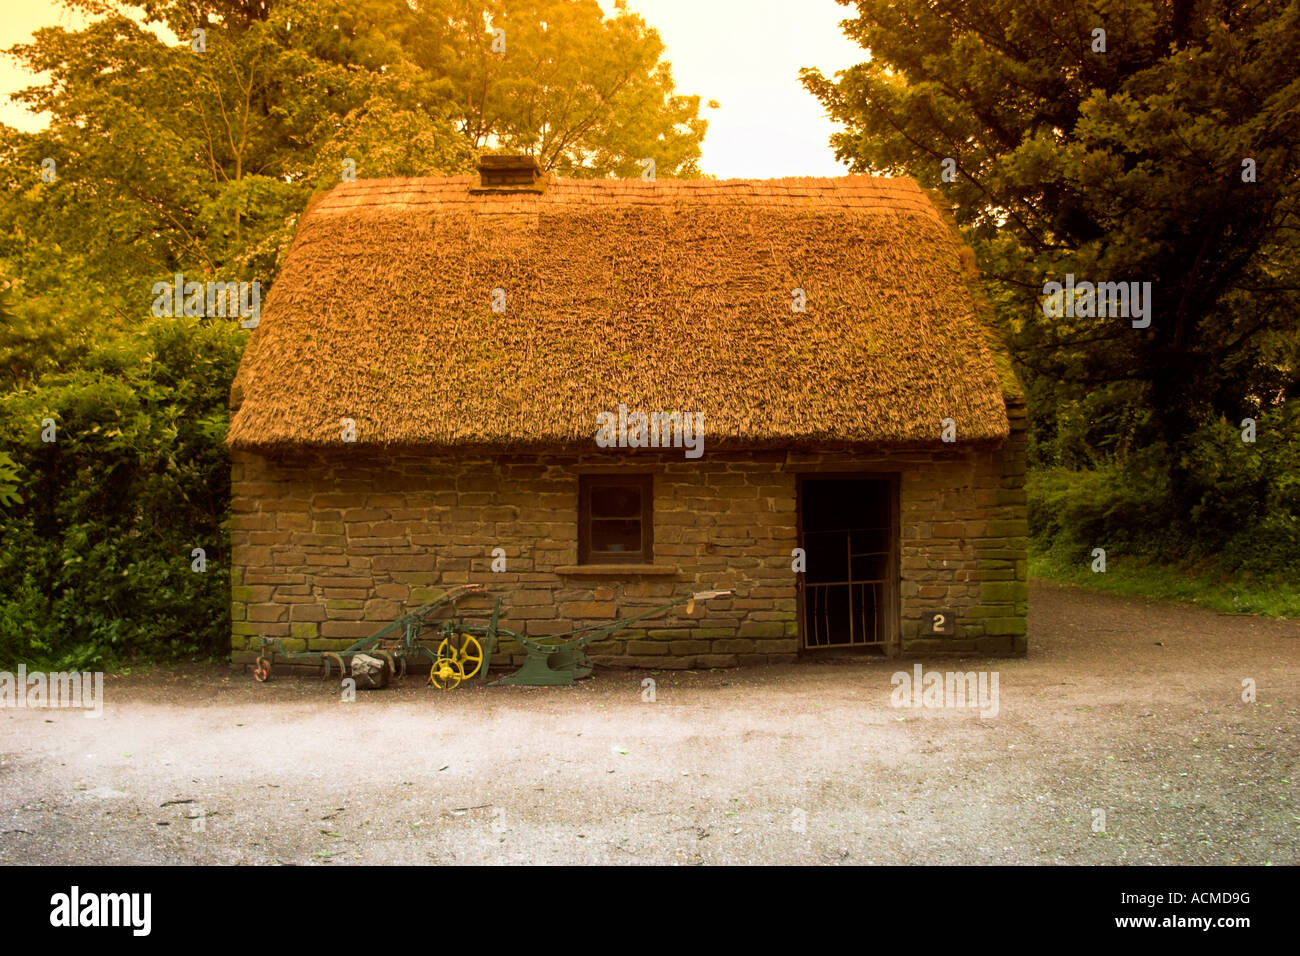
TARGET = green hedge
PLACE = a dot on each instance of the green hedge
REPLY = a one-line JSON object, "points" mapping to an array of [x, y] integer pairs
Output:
{"points": [[1246, 519], [99, 525]]}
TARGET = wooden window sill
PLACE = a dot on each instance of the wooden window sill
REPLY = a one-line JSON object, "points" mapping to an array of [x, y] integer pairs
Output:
{"points": [[616, 570]]}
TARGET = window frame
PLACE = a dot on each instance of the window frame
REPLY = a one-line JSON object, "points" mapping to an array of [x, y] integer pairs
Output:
{"points": [[645, 482]]}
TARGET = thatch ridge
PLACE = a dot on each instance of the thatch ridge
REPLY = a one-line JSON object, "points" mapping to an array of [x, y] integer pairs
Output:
{"points": [[662, 295]]}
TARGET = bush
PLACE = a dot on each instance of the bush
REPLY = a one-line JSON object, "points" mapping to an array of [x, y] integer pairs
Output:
{"points": [[1073, 512], [96, 565], [1247, 513], [1249, 507]]}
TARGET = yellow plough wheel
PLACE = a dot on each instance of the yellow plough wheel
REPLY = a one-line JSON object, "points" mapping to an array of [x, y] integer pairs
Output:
{"points": [[467, 651], [446, 673]]}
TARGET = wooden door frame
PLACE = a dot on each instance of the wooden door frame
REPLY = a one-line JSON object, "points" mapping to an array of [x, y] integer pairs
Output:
{"points": [[893, 644]]}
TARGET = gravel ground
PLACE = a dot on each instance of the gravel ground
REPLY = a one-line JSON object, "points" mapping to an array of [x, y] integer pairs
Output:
{"points": [[1126, 706]]}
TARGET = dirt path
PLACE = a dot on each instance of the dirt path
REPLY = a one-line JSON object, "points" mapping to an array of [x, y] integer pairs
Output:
{"points": [[1126, 706]]}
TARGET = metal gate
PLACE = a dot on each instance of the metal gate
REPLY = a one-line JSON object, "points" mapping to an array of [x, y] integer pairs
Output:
{"points": [[849, 590]]}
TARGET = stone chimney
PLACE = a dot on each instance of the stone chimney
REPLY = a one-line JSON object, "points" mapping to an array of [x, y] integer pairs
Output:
{"points": [[509, 174]]}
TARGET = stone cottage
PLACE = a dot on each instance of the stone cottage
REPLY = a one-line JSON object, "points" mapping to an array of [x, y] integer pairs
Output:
{"points": [[593, 395]]}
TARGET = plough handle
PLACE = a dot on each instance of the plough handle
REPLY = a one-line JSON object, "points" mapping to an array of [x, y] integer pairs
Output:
{"points": [[600, 632]]}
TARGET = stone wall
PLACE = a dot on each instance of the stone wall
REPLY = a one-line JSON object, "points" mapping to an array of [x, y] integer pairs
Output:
{"points": [[965, 538], [326, 548]]}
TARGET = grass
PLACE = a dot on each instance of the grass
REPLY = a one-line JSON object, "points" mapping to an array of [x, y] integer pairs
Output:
{"points": [[1137, 575]]}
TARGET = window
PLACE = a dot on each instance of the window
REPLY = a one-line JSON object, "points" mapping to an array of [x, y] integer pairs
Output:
{"points": [[615, 522]]}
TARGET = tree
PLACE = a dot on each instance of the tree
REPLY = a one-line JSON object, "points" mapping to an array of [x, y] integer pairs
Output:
{"points": [[1169, 158], [193, 156], [588, 96]]}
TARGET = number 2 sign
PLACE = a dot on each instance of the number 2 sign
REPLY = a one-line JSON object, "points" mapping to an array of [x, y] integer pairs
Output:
{"points": [[940, 622]]}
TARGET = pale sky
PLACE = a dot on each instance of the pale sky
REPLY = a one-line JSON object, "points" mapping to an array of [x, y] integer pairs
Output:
{"points": [[745, 54]]}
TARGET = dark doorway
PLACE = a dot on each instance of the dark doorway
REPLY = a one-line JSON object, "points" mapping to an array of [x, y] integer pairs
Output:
{"points": [[848, 528]]}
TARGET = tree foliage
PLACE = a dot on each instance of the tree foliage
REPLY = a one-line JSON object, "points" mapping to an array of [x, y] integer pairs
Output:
{"points": [[98, 561]]}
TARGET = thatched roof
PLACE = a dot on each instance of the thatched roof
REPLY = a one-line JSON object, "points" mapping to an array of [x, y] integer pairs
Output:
{"points": [[668, 295]]}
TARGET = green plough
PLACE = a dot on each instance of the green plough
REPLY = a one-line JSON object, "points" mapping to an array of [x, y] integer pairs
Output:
{"points": [[459, 650]]}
